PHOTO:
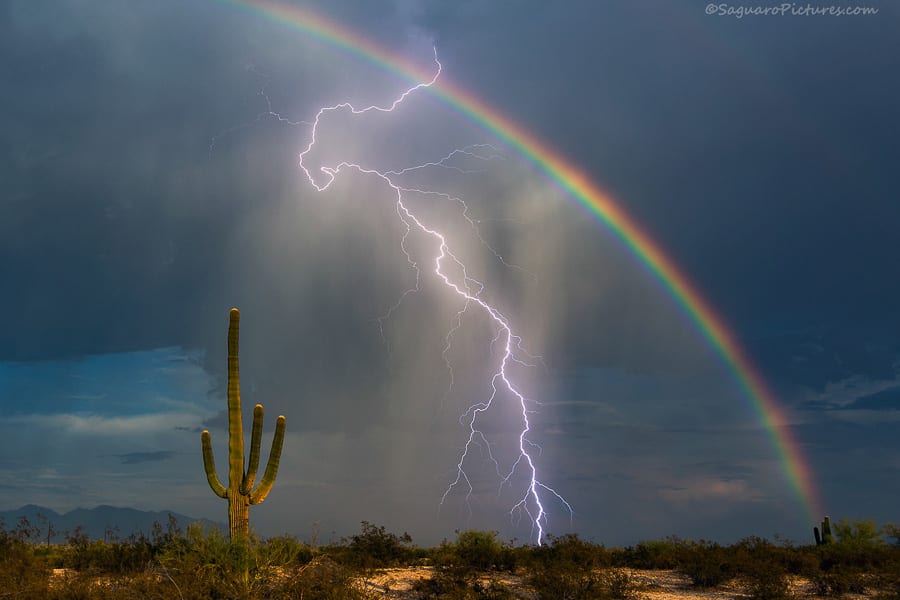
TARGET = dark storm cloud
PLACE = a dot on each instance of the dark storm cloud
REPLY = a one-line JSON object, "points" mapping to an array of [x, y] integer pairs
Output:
{"points": [[136, 458], [888, 399], [189, 429], [759, 153], [725, 141], [219, 421], [117, 206], [841, 350], [101, 241], [89, 157]]}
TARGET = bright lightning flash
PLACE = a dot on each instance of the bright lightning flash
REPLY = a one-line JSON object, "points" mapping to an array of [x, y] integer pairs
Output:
{"points": [[469, 290]]}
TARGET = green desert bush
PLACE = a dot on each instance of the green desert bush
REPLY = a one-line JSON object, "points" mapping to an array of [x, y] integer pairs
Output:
{"points": [[20, 571], [838, 581], [571, 582], [204, 564], [858, 561], [862, 533], [117, 557], [570, 549], [768, 585], [706, 564], [765, 580], [284, 551], [320, 579], [568, 568], [201, 564], [888, 584], [444, 588], [482, 551], [761, 567], [473, 553], [467, 568], [375, 547], [651, 554], [800, 560], [892, 532]]}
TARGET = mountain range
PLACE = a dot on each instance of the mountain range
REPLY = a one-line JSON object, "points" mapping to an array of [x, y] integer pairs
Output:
{"points": [[101, 522]]}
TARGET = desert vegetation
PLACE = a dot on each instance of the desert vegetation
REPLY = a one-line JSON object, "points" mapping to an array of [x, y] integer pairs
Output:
{"points": [[862, 560]]}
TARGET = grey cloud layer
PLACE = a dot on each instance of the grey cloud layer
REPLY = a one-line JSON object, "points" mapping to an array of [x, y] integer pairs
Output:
{"points": [[122, 230]]}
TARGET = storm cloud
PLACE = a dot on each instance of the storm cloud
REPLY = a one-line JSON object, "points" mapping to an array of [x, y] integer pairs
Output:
{"points": [[149, 162]]}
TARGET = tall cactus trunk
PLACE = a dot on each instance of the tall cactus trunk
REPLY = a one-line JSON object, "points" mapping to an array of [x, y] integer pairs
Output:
{"points": [[240, 492], [238, 515]]}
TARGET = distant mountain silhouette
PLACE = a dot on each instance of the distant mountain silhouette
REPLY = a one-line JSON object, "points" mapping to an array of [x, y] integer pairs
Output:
{"points": [[97, 522]]}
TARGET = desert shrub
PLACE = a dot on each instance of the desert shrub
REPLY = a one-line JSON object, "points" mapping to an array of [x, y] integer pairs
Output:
{"points": [[859, 560], [87, 586], [52, 555], [375, 547], [889, 574], [892, 531], [321, 579], [474, 552], [482, 551], [75, 586], [858, 532], [570, 548], [859, 547], [570, 568], [651, 554], [888, 584], [204, 565], [20, 570], [461, 568], [118, 557], [757, 549], [618, 584], [283, 551], [445, 588], [765, 579], [800, 561], [706, 564], [838, 581], [569, 581], [768, 586]]}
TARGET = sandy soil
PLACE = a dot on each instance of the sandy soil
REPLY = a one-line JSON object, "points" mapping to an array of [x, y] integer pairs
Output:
{"points": [[396, 584], [650, 585]]}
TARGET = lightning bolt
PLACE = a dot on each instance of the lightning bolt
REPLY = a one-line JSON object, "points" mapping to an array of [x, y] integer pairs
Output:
{"points": [[268, 113], [451, 272]]}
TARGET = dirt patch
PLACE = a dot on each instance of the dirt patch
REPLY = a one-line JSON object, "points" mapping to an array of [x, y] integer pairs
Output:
{"points": [[397, 584]]}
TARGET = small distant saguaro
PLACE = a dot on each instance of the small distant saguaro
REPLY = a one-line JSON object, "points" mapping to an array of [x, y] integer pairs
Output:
{"points": [[240, 492]]}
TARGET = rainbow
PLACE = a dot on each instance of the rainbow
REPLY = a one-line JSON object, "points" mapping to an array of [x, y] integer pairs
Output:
{"points": [[579, 187]]}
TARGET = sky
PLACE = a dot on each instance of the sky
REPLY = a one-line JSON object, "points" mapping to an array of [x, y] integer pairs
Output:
{"points": [[151, 180]]}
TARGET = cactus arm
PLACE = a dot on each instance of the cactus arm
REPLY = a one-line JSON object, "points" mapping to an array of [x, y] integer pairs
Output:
{"points": [[265, 485], [827, 538], [210, 465], [255, 440], [235, 425]]}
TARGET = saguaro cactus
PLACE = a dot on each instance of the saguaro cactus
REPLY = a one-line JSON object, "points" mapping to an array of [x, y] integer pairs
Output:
{"points": [[240, 492], [825, 536]]}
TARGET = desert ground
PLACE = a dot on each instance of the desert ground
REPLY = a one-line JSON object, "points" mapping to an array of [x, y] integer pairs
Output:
{"points": [[649, 585]]}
